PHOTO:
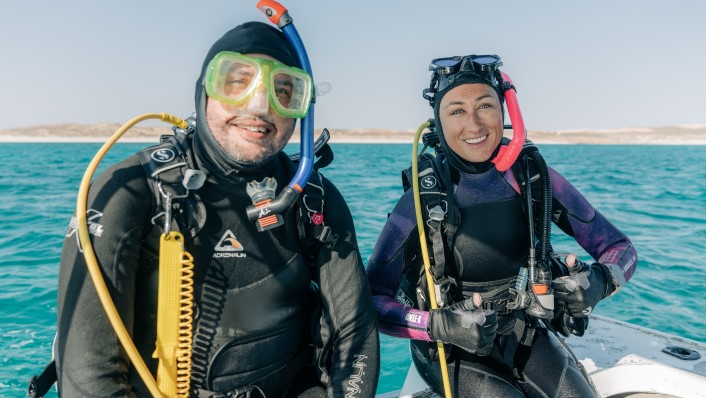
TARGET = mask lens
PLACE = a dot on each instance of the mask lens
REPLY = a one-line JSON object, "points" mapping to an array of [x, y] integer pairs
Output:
{"points": [[445, 62], [231, 78], [234, 79], [291, 91], [238, 79], [485, 60]]}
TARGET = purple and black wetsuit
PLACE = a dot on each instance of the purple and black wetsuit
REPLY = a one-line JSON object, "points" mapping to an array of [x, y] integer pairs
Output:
{"points": [[490, 245]]}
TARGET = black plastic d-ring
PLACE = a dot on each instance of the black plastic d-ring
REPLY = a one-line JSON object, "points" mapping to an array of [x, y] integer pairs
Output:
{"points": [[686, 354]]}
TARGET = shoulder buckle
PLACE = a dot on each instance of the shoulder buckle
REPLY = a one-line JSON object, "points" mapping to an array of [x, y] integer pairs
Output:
{"points": [[172, 180]]}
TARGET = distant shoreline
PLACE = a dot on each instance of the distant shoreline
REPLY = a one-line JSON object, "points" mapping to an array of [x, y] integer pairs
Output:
{"points": [[99, 133]]}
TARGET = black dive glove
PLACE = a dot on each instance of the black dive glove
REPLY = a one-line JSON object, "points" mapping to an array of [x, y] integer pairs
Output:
{"points": [[464, 325], [583, 288]]}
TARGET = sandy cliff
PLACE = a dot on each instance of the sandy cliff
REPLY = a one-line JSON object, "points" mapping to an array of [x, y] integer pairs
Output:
{"points": [[673, 135]]}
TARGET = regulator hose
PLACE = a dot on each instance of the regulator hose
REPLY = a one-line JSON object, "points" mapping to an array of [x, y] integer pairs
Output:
{"points": [[545, 215]]}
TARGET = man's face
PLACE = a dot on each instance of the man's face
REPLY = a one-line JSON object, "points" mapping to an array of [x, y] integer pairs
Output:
{"points": [[250, 132], [472, 120]]}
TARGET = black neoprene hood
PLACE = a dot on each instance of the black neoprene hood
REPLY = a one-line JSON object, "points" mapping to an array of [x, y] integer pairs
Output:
{"points": [[248, 38]]}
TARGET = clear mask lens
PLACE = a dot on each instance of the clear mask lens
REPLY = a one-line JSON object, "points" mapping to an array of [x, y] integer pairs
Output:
{"points": [[235, 79], [291, 91]]}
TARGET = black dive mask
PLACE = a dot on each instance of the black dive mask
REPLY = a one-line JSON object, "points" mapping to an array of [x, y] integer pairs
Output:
{"points": [[450, 72]]}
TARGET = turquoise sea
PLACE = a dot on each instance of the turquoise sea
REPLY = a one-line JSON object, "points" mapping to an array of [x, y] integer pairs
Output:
{"points": [[655, 194]]}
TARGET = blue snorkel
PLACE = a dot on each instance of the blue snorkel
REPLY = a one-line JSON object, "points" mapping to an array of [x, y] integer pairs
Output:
{"points": [[266, 211]]}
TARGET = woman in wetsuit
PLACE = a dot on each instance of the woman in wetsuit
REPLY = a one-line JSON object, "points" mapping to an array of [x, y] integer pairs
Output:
{"points": [[495, 347]]}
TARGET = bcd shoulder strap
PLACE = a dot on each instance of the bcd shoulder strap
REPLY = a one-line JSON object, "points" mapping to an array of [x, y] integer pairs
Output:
{"points": [[171, 173], [441, 217], [314, 235], [313, 231], [520, 174]]}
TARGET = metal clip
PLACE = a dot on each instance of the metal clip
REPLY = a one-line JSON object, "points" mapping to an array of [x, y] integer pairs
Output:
{"points": [[327, 237], [436, 214], [167, 204], [306, 205]]}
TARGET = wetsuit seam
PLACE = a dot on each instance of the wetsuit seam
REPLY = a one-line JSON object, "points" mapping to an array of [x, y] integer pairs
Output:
{"points": [[479, 204], [562, 377], [267, 277], [576, 216]]}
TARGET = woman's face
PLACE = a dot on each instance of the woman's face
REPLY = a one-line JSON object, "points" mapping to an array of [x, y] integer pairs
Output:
{"points": [[471, 118]]}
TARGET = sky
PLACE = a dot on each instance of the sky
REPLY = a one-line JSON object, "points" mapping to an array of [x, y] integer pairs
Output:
{"points": [[601, 64]]}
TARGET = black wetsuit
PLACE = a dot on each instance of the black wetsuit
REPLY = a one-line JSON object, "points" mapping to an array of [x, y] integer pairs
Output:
{"points": [[490, 246], [254, 316]]}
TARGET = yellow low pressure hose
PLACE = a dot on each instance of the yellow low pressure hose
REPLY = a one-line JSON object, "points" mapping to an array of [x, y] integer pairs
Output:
{"points": [[425, 252], [90, 256]]}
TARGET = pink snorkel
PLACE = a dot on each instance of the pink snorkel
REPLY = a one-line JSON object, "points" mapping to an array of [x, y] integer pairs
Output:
{"points": [[507, 155]]}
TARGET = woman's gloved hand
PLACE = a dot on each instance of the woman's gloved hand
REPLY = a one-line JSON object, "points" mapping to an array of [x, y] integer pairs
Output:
{"points": [[466, 325], [583, 288]]}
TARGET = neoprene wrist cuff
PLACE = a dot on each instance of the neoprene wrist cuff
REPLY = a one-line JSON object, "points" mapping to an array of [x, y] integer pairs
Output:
{"points": [[419, 320], [607, 278]]}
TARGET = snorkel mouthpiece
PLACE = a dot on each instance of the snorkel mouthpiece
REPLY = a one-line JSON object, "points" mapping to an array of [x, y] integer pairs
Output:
{"points": [[261, 191], [263, 212], [278, 14]]}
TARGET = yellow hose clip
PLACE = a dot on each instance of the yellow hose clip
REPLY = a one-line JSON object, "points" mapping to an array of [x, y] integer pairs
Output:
{"points": [[425, 252], [174, 316]]}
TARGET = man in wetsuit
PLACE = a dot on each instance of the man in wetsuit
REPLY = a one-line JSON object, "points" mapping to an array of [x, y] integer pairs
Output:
{"points": [[495, 346], [274, 316]]}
